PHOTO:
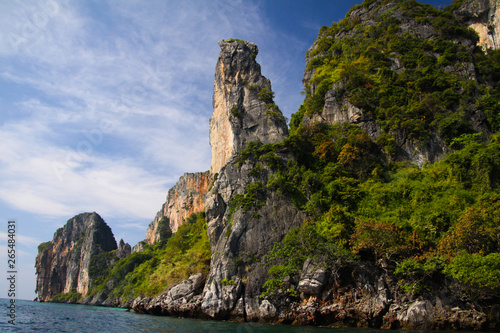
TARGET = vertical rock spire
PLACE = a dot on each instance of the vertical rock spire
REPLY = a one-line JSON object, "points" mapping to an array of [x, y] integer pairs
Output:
{"points": [[244, 109]]}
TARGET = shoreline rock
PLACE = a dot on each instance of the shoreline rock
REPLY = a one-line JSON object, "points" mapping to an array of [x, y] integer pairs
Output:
{"points": [[371, 299]]}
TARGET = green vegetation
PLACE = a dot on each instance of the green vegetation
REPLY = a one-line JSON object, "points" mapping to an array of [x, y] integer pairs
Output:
{"points": [[476, 270], [440, 221], [235, 40], [298, 245], [98, 262], [227, 282], [408, 84], [436, 223], [214, 179], [71, 297], [164, 228], [267, 95], [254, 197], [235, 111], [148, 273], [43, 246], [58, 232]]}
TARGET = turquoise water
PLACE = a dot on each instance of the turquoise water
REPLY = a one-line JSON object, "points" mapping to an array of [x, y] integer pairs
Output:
{"points": [[51, 317]]}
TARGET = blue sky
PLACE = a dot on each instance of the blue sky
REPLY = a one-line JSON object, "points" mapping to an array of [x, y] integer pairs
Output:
{"points": [[105, 104]]}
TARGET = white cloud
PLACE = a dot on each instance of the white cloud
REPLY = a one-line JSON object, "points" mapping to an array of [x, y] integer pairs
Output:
{"points": [[26, 241], [49, 180]]}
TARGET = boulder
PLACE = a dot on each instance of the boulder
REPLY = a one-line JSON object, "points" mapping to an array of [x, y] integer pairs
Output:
{"points": [[313, 278]]}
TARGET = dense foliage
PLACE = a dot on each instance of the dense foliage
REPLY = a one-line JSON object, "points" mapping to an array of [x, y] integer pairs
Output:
{"points": [[70, 297], [442, 220], [434, 223], [150, 272], [414, 79]]}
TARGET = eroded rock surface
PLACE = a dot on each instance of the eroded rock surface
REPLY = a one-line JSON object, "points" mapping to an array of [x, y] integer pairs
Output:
{"points": [[186, 197], [484, 17], [244, 110], [63, 264]]}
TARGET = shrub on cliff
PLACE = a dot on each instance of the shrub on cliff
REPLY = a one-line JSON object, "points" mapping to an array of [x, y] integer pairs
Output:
{"points": [[70, 297], [185, 253]]}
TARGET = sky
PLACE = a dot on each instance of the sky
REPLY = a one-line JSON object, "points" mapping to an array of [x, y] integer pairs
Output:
{"points": [[105, 104]]}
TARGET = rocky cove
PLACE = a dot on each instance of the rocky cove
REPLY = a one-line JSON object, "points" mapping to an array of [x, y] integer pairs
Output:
{"points": [[248, 207]]}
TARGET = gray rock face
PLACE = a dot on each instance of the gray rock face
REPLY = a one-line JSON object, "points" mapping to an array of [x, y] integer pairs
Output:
{"points": [[139, 247], [313, 278], [184, 299], [243, 104], [240, 240], [244, 111], [124, 249], [63, 264], [186, 290], [338, 110], [484, 17], [267, 310], [419, 314], [367, 296]]}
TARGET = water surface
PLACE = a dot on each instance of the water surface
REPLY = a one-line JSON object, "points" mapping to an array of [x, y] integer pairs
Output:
{"points": [[53, 317]]}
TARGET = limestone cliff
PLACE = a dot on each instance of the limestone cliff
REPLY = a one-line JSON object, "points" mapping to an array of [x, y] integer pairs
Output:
{"points": [[62, 265], [186, 197], [245, 218], [243, 104], [244, 111], [484, 17], [240, 237]]}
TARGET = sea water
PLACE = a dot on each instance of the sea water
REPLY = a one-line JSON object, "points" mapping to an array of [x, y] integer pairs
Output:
{"points": [[53, 317]]}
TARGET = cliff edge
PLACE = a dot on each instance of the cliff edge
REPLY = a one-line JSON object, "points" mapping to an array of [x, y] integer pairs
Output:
{"points": [[186, 197]]}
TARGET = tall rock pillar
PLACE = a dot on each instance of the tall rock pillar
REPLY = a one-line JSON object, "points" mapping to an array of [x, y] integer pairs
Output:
{"points": [[244, 111], [243, 104]]}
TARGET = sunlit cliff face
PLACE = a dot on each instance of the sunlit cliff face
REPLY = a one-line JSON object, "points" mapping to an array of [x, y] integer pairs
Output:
{"points": [[240, 115]]}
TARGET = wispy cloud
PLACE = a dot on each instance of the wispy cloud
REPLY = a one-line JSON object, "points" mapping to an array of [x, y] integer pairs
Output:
{"points": [[45, 179], [20, 238], [122, 97]]}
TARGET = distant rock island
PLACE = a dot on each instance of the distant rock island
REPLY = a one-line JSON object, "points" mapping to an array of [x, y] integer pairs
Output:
{"points": [[378, 206]]}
